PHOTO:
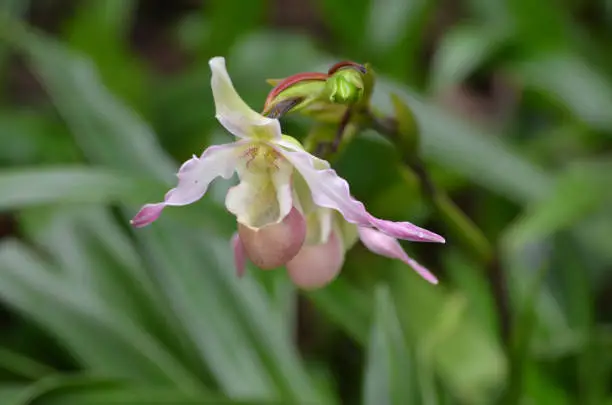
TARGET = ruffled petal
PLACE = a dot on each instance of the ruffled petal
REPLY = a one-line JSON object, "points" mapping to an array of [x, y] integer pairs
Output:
{"points": [[194, 176], [385, 245], [262, 197], [331, 191], [233, 113]]}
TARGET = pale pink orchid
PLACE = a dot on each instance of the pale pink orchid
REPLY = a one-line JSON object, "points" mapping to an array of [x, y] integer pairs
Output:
{"points": [[281, 187]]}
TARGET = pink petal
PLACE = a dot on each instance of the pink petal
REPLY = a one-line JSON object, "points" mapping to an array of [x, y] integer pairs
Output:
{"points": [[385, 245], [406, 231], [194, 176], [331, 191], [327, 188], [149, 213], [317, 265], [239, 255], [274, 245]]}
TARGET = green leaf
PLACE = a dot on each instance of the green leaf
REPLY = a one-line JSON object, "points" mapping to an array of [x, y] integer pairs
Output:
{"points": [[463, 50], [101, 340], [389, 370], [67, 185], [232, 323], [346, 306], [574, 85], [107, 131], [581, 191], [22, 366], [101, 30], [10, 393], [92, 390], [456, 145], [347, 20], [450, 338]]}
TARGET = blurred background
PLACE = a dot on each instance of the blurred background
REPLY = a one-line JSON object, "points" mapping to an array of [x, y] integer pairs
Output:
{"points": [[100, 101]]}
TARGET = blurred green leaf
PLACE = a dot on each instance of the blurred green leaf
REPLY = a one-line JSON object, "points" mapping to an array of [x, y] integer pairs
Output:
{"points": [[10, 393], [463, 50], [347, 20], [22, 366], [455, 343], [99, 29], [572, 83], [67, 185], [229, 322], [90, 390], [581, 191], [347, 306], [389, 370], [106, 130], [227, 25], [462, 148], [103, 340]]}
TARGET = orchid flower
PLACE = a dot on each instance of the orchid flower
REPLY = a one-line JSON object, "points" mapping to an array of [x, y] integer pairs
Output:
{"points": [[269, 208]]}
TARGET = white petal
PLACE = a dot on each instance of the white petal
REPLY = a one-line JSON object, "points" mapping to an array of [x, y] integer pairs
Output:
{"points": [[194, 177], [233, 113], [261, 198], [385, 245]]}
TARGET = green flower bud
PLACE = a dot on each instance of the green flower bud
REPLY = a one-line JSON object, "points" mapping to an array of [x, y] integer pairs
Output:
{"points": [[345, 86], [294, 93]]}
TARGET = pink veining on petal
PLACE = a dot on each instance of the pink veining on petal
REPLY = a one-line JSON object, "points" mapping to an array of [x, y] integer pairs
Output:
{"points": [[147, 214], [239, 255], [385, 245]]}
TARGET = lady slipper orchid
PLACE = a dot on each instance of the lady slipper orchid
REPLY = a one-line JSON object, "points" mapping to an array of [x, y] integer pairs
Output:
{"points": [[267, 206]]}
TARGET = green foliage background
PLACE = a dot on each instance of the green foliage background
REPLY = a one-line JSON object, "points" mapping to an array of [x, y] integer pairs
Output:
{"points": [[101, 100]]}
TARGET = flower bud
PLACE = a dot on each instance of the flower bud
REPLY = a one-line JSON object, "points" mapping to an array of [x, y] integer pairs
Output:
{"points": [[345, 87], [294, 93], [274, 245], [317, 265]]}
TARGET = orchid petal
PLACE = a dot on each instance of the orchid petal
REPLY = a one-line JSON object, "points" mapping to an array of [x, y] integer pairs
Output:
{"points": [[239, 255], [317, 265], [194, 177], [274, 245], [262, 197], [329, 190], [233, 113], [406, 231], [385, 245]]}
